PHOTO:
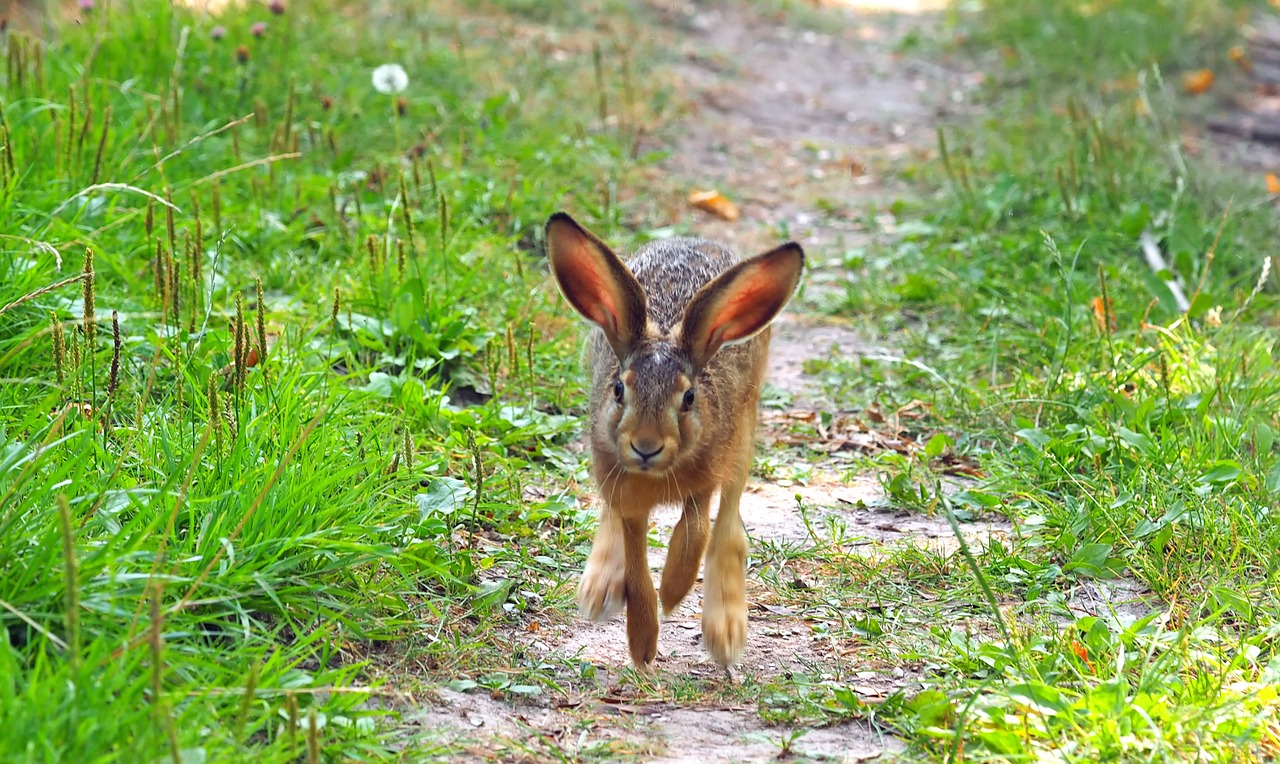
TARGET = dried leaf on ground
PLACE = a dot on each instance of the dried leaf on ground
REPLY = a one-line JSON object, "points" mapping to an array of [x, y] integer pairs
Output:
{"points": [[954, 464], [1241, 59], [842, 432], [1198, 82], [715, 203]]}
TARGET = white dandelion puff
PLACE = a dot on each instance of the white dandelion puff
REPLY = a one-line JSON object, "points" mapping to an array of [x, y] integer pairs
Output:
{"points": [[390, 79]]}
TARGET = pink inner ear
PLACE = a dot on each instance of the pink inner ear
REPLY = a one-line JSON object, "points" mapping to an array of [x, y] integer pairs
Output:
{"points": [[589, 289], [743, 313]]}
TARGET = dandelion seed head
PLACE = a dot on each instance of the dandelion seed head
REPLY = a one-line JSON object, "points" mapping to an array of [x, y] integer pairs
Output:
{"points": [[390, 79]]}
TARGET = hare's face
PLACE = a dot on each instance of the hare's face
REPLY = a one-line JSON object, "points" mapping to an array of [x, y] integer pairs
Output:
{"points": [[652, 416], [652, 412]]}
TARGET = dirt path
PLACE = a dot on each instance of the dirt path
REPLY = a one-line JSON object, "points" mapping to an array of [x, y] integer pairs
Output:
{"points": [[798, 127]]}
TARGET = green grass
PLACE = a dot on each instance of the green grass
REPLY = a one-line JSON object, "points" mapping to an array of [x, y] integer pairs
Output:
{"points": [[1143, 449], [201, 564]]}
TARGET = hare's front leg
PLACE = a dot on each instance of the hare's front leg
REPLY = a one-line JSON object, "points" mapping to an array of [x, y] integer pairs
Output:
{"points": [[642, 600], [601, 590], [724, 602], [684, 553]]}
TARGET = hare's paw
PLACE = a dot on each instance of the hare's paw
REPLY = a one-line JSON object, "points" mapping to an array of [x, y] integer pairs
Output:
{"points": [[724, 602], [642, 626], [724, 630], [600, 591]]}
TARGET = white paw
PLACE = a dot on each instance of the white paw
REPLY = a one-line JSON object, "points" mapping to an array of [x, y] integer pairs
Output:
{"points": [[724, 630], [600, 591]]}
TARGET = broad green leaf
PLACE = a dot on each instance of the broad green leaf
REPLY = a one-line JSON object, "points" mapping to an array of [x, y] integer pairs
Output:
{"points": [[1090, 559], [1135, 439], [1273, 478], [1263, 438], [932, 708], [491, 594], [1221, 472], [525, 689], [1034, 438], [936, 445], [1202, 303], [1232, 600], [1038, 696]]}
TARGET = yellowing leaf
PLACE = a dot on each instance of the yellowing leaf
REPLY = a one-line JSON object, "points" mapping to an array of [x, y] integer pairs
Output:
{"points": [[715, 203], [1198, 82], [1273, 183], [1103, 314], [1125, 84], [1238, 57]]}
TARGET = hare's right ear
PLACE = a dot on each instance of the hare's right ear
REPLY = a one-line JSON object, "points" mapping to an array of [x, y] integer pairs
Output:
{"points": [[596, 283]]}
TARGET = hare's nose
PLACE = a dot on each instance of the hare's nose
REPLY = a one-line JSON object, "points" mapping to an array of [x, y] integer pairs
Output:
{"points": [[646, 450]]}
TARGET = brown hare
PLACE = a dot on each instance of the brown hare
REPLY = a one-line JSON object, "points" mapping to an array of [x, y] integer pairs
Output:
{"points": [[677, 360]]}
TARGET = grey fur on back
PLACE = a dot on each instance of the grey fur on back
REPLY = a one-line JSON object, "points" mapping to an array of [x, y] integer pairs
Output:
{"points": [[673, 270]]}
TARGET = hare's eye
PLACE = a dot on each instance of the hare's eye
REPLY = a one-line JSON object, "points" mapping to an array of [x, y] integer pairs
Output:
{"points": [[618, 389], [688, 399]]}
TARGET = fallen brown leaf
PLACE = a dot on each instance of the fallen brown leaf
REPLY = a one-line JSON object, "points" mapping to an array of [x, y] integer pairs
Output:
{"points": [[715, 203], [1241, 59], [1198, 82]]}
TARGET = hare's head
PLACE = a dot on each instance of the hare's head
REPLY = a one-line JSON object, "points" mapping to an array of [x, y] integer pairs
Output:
{"points": [[653, 407]]}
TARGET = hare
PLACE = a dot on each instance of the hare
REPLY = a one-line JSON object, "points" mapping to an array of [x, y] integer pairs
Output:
{"points": [[677, 359]]}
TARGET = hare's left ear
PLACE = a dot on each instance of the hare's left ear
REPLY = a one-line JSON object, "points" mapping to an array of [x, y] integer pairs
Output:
{"points": [[740, 302]]}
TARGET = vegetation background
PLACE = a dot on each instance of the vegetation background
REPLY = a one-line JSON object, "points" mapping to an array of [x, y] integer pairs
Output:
{"points": [[288, 406]]}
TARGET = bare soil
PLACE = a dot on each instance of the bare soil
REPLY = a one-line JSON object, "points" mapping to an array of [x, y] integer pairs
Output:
{"points": [[488, 728]]}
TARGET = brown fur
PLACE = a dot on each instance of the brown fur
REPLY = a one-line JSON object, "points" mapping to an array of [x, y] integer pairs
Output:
{"points": [[662, 319], [25, 15]]}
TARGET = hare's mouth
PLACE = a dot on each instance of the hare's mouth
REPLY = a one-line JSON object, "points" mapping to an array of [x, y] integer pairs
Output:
{"points": [[646, 466], [647, 458]]}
